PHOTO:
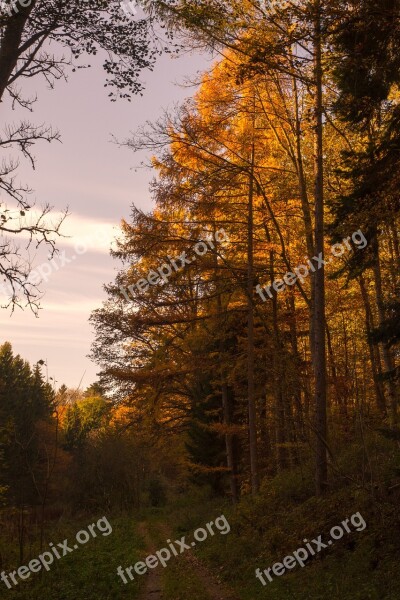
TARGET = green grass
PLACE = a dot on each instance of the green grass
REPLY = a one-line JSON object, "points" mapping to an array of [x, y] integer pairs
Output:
{"points": [[88, 573], [180, 582]]}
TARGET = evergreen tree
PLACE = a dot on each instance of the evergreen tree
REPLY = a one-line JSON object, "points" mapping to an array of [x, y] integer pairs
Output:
{"points": [[25, 401]]}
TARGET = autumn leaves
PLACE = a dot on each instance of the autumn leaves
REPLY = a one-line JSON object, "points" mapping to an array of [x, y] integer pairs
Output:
{"points": [[301, 272], [166, 270]]}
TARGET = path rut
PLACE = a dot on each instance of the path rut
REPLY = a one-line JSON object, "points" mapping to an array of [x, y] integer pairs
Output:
{"points": [[153, 588]]}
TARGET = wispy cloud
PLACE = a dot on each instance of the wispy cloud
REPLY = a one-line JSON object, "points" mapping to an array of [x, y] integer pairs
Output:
{"points": [[78, 231]]}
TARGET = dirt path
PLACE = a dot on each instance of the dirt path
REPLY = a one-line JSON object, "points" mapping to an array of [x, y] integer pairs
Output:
{"points": [[153, 588], [215, 588]]}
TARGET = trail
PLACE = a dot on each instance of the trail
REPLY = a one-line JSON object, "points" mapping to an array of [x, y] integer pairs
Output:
{"points": [[216, 589], [153, 590]]}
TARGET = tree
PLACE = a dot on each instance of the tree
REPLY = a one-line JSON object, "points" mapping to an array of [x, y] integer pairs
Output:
{"points": [[285, 38], [258, 151], [25, 401], [72, 427], [29, 31], [205, 446], [368, 75], [27, 436], [82, 28]]}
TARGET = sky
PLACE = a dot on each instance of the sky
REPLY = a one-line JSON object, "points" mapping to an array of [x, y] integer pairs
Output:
{"points": [[97, 180]]}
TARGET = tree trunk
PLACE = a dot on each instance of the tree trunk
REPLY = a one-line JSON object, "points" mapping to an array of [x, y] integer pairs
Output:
{"points": [[375, 363], [10, 43], [319, 354], [226, 400], [229, 441], [250, 330], [386, 353]]}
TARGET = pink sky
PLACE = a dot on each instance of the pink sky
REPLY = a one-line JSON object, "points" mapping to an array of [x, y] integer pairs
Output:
{"points": [[96, 179]]}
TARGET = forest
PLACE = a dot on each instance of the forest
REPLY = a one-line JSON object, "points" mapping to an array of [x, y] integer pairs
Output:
{"points": [[248, 351]]}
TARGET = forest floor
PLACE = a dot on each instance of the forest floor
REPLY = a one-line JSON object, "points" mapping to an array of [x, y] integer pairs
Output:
{"points": [[152, 590], [91, 572], [363, 565], [189, 577]]}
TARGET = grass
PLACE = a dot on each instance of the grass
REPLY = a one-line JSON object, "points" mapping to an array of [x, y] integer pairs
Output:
{"points": [[179, 579], [181, 582], [89, 573]]}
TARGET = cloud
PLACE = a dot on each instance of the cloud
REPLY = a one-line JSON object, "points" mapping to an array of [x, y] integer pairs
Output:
{"points": [[79, 232]]}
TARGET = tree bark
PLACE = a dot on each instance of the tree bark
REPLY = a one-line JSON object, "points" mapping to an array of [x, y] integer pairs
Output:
{"points": [[10, 44], [386, 352], [319, 353], [250, 329], [227, 408], [375, 362]]}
